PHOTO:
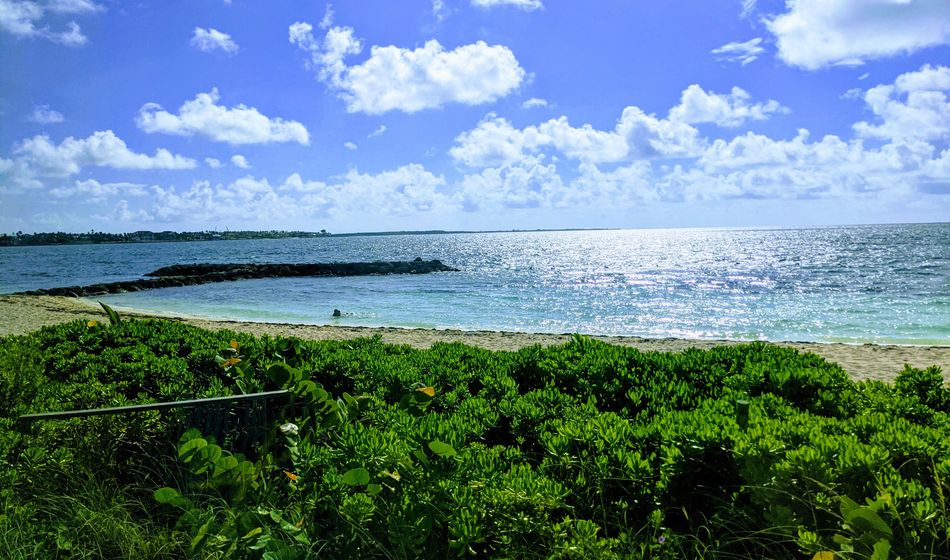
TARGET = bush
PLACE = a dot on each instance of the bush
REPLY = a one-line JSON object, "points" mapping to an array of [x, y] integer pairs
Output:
{"points": [[584, 450]]}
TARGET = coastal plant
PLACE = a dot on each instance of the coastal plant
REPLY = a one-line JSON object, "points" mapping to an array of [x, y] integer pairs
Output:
{"points": [[583, 450]]}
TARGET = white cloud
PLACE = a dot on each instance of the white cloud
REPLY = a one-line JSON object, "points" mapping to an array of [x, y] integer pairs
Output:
{"points": [[496, 142], [240, 161], [526, 5], [380, 130], [24, 19], [915, 107], [624, 186], [213, 163], [409, 80], [743, 53], [327, 19], [528, 183], [210, 40], [699, 106], [406, 189], [439, 10], [927, 78], [100, 149], [350, 145], [92, 190], [42, 114], [36, 159], [401, 191], [238, 125], [534, 102], [816, 33], [73, 6], [123, 213], [748, 7]]}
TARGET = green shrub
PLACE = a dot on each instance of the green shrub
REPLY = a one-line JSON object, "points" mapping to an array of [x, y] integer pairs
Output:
{"points": [[584, 450]]}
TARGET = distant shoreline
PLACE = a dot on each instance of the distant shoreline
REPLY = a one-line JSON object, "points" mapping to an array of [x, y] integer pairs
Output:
{"points": [[23, 314], [24, 240], [44, 239]]}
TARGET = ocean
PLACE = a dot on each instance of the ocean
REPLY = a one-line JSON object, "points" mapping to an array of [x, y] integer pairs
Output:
{"points": [[857, 284]]}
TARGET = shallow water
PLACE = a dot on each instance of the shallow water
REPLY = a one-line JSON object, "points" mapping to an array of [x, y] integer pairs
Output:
{"points": [[886, 283]]}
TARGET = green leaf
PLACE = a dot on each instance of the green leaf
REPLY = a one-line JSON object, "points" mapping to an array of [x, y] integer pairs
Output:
{"points": [[113, 316], [848, 506], [200, 536], [279, 374], [311, 392], [187, 451], [356, 477], [189, 435], [166, 495], [882, 550], [866, 520], [224, 465], [208, 456], [442, 449]]}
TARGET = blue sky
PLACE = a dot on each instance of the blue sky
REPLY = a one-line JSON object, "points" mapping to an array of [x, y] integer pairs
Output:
{"points": [[472, 114]]}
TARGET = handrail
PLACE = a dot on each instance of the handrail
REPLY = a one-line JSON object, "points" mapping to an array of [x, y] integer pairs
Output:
{"points": [[27, 419]]}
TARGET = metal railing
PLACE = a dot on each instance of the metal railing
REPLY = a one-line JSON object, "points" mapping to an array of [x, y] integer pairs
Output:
{"points": [[239, 420]]}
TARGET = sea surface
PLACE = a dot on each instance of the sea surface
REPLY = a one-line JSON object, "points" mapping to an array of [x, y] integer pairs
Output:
{"points": [[878, 283]]}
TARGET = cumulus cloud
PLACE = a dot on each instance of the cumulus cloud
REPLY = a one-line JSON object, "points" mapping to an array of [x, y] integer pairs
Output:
{"points": [[494, 141], [350, 145], [238, 125], [25, 19], [240, 161], [92, 190], [100, 149], [526, 5], [408, 80], [213, 163], [400, 191], [743, 53], [528, 183], [732, 109], [42, 114], [37, 159], [534, 102], [380, 130], [816, 33], [409, 188], [914, 107], [210, 40]]}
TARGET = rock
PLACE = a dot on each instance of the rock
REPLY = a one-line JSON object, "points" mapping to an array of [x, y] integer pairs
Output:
{"points": [[204, 273]]}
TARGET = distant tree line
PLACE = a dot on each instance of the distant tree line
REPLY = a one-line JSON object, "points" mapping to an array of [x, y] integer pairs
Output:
{"points": [[62, 238]]}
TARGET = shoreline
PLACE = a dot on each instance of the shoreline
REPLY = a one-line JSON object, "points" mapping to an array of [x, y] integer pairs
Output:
{"points": [[23, 314]]}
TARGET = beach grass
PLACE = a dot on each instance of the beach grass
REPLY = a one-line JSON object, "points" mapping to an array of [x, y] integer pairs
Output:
{"points": [[579, 450]]}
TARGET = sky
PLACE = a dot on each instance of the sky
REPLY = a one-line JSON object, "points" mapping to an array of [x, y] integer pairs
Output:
{"points": [[120, 116]]}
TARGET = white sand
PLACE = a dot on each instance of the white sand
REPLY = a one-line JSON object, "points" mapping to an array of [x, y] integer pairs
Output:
{"points": [[22, 314]]}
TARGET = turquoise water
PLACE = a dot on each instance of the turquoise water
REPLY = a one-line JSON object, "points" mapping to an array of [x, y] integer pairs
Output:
{"points": [[885, 283]]}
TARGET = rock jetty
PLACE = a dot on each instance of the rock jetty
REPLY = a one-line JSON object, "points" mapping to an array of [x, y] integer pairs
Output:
{"points": [[192, 274]]}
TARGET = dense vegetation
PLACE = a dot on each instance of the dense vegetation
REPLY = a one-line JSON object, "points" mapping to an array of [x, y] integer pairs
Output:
{"points": [[63, 238], [584, 450]]}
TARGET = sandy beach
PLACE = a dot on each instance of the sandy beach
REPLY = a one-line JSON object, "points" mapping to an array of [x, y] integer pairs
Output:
{"points": [[22, 314]]}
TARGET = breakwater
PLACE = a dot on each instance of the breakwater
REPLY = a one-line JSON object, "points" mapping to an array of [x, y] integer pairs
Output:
{"points": [[205, 273]]}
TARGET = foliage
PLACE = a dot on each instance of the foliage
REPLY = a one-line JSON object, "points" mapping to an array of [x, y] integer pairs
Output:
{"points": [[584, 450]]}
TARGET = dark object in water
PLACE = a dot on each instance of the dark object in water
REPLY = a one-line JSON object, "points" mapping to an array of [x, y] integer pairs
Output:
{"points": [[336, 313], [193, 274]]}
